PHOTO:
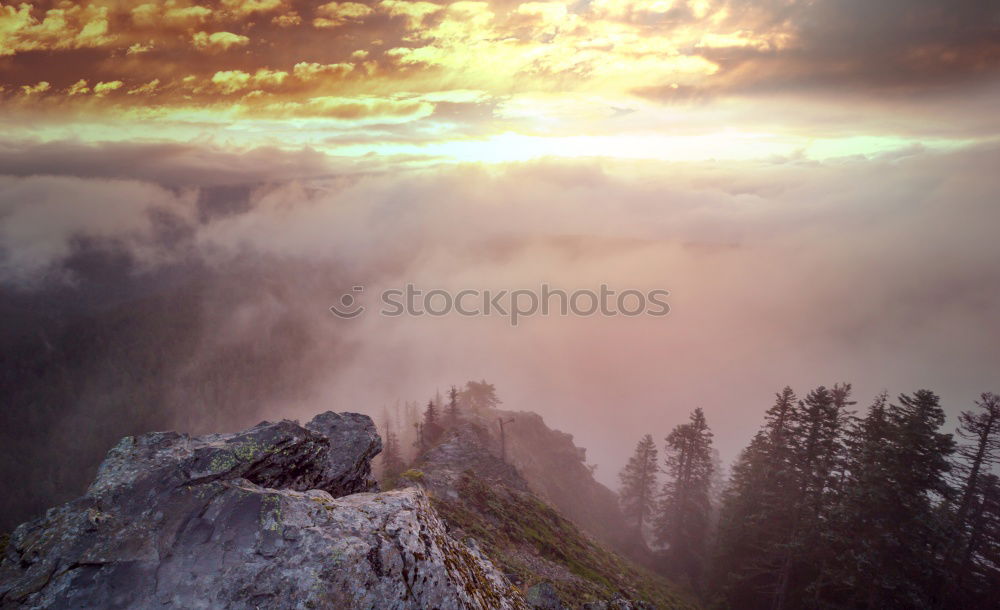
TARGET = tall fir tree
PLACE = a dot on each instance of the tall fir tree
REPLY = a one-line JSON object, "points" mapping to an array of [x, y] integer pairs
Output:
{"points": [[780, 495], [979, 560], [861, 512], [685, 506], [420, 442], [431, 413], [755, 510], [818, 451], [980, 429], [453, 408], [638, 484], [891, 530], [392, 458], [431, 428]]}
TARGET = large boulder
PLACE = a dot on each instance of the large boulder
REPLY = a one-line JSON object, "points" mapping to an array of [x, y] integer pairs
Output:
{"points": [[348, 469], [266, 518]]}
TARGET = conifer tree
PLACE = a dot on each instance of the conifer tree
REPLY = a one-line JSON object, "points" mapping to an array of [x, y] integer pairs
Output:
{"points": [[822, 498], [755, 510], [431, 428], [817, 424], [421, 442], [479, 395], [892, 531], [974, 459], [781, 493], [982, 431], [824, 510], [453, 411], [638, 484], [431, 413], [861, 513], [685, 506], [979, 560], [392, 459]]}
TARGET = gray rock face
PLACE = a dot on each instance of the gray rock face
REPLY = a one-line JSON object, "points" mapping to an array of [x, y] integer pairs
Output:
{"points": [[349, 469], [332, 452], [249, 520], [543, 596]]}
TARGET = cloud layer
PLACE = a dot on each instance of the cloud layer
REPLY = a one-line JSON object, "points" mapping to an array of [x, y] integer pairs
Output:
{"points": [[879, 271]]}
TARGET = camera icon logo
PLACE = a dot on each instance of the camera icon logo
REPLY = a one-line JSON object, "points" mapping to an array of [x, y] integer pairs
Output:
{"points": [[349, 308]]}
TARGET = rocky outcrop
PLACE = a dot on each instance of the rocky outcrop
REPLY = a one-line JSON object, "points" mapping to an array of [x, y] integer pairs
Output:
{"points": [[266, 518], [348, 470], [332, 452]]}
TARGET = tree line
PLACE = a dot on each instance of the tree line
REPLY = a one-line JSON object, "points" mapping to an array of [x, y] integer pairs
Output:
{"points": [[409, 431], [826, 508]]}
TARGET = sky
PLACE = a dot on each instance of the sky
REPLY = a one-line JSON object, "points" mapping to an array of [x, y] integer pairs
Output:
{"points": [[506, 81], [813, 181]]}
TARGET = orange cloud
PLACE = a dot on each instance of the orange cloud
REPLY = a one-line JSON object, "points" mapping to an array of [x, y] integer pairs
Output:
{"points": [[334, 14], [138, 47], [69, 27], [308, 71], [414, 12], [218, 41], [78, 88], [272, 78], [102, 89], [145, 89], [230, 81], [249, 7], [40, 87], [287, 20], [154, 15], [357, 110]]}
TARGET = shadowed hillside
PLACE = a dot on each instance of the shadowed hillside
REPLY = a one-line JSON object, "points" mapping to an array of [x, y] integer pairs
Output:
{"points": [[527, 525]]}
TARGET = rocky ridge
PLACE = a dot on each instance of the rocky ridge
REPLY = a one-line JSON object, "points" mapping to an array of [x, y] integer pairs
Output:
{"points": [[486, 502], [556, 471]]}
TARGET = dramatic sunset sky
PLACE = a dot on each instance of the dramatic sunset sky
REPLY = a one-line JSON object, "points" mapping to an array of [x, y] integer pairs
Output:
{"points": [[817, 183], [501, 81]]}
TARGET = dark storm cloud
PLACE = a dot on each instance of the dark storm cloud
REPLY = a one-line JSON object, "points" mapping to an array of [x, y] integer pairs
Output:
{"points": [[891, 46]]}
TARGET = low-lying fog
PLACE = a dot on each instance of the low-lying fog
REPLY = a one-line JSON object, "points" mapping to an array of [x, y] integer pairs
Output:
{"points": [[174, 286]]}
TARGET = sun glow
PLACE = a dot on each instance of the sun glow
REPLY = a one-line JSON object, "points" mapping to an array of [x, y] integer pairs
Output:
{"points": [[484, 82]]}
